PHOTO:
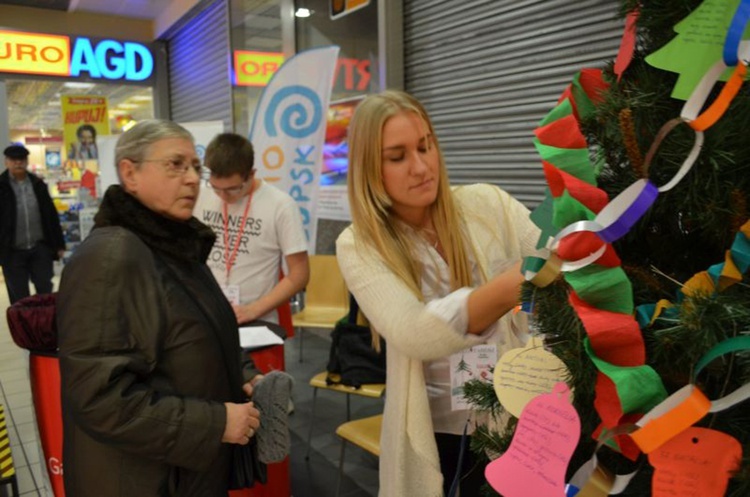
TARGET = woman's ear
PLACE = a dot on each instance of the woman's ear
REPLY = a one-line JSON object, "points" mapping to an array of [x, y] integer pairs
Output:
{"points": [[127, 172]]}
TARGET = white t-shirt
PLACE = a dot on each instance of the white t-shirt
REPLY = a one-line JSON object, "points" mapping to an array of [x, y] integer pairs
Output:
{"points": [[273, 230]]}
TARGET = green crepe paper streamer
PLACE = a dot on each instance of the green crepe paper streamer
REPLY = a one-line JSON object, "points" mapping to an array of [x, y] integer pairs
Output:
{"points": [[574, 161], [542, 218], [735, 344], [568, 210], [583, 102], [603, 287], [559, 111], [639, 387]]}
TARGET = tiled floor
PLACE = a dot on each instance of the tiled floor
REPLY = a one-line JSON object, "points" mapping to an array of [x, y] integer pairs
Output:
{"points": [[15, 395], [316, 477]]}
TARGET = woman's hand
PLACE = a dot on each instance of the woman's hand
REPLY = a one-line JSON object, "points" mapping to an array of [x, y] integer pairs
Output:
{"points": [[491, 301], [248, 386], [243, 420]]}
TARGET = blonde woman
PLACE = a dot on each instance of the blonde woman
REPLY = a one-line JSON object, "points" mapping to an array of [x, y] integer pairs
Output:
{"points": [[436, 270]]}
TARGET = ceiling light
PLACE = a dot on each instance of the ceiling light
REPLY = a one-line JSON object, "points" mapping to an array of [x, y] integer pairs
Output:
{"points": [[141, 98], [303, 12], [54, 103], [127, 106], [79, 85]]}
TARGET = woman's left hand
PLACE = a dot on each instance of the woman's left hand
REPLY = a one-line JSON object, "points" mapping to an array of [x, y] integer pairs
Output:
{"points": [[248, 386]]}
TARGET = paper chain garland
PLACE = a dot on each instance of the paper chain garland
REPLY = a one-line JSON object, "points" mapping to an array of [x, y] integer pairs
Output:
{"points": [[601, 293]]}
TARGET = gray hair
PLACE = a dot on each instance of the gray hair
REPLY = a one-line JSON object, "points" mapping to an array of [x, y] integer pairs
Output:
{"points": [[133, 143]]}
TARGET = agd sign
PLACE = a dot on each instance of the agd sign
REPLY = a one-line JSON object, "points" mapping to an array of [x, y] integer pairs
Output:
{"points": [[56, 55]]}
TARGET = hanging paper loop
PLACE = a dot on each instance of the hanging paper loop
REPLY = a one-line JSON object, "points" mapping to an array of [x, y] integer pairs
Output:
{"points": [[674, 415], [734, 33], [721, 104], [689, 161]]}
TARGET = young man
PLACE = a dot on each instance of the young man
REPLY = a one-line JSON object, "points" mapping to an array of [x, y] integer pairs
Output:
{"points": [[256, 226], [30, 233]]}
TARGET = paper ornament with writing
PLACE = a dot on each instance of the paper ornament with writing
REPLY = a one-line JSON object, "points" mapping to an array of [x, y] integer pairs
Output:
{"points": [[522, 374], [698, 45], [544, 441], [695, 463]]}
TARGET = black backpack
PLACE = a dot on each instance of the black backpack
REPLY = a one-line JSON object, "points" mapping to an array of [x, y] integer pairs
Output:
{"points": [[352, 354]]}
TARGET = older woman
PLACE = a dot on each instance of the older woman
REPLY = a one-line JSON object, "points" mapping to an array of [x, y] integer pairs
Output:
{"points": [[436, 270], [152, 381]]}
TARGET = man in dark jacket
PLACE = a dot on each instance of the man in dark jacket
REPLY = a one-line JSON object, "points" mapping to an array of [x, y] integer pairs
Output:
{"points": [[30, 233]]}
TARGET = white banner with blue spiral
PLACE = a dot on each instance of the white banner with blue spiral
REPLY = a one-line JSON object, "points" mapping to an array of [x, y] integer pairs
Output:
{"points": [[289, 126]]}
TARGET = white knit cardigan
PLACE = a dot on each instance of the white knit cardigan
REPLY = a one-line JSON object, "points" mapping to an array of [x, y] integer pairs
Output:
{"points": [[500, 229]]}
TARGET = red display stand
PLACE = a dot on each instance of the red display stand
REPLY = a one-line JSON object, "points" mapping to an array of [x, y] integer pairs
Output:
{"points": [[45, 392]]}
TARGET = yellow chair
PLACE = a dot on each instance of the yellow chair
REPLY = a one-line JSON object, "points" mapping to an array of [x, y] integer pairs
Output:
{"points": [[326, 297], [374, 391], [364, 433]]}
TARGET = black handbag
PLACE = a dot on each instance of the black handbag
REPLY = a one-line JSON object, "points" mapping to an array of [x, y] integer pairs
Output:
{"points": [[352, 354]]}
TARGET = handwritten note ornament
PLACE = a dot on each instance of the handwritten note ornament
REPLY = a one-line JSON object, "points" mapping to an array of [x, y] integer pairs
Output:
{"points": [[695, 463], [545, 438], [522, 374]]}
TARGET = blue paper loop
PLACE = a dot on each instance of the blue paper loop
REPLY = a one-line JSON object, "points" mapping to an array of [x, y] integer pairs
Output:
{"points": [[734, 34]]}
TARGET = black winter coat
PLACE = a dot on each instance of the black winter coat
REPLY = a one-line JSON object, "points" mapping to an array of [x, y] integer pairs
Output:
{"points": [[149, 352], [53, 236]]}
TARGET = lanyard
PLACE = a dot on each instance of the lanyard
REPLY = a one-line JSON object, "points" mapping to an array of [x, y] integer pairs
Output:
{"points": [[229, 258]]}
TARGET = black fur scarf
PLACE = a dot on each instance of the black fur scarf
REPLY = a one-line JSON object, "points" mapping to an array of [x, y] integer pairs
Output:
{"points": [[190, 240]]}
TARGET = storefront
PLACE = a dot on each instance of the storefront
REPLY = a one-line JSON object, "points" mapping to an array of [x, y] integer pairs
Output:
{"points": [[66, 97]]}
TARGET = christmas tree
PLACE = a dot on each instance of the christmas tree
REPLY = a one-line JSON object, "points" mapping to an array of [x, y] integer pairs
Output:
{"points": [[663, 311]]}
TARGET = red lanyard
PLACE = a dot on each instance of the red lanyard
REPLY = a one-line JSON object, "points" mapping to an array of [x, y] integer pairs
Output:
{"points": [[229, 259]]}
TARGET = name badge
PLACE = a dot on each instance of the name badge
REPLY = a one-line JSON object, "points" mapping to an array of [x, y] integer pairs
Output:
{"points": [[474, 363], [232, 293]]}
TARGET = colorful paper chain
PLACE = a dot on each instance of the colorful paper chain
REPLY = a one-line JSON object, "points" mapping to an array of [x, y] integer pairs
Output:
{"points": [[588, 223]]}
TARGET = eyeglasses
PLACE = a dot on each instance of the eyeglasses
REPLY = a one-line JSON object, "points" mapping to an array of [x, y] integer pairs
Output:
{"points": [[178, 166], [230, 190]]}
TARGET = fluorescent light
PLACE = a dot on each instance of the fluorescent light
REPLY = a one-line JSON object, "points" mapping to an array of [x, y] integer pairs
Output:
{"points": [[303, 12], [127, 106], [78, 85], [141, 98]]}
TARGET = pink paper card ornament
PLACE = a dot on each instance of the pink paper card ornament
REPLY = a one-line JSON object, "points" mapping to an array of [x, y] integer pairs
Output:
{"points": [[545, 438]]}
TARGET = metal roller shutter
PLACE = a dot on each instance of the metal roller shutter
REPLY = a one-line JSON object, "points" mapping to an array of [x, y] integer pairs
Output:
{"points": [[199, 85], [489, 70]]}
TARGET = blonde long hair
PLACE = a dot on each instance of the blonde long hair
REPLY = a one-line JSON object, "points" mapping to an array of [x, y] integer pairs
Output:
{"points": [[374, 222]]}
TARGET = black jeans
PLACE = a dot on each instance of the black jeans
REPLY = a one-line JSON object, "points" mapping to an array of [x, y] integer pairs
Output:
{"points": [[21, 265], [472, 472]]}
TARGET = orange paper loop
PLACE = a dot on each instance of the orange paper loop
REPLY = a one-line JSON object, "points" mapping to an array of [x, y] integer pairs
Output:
{"points": [[683, 408], [721, 104]]}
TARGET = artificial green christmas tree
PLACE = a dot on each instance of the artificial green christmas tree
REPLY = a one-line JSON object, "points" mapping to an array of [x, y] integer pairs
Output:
{"points": [[664, 292]]}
